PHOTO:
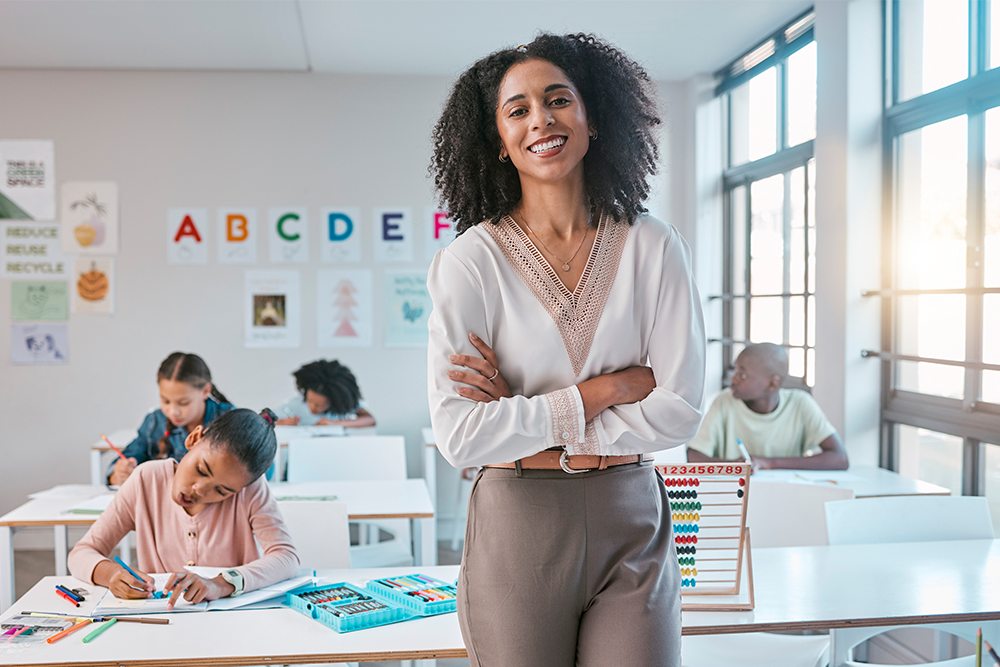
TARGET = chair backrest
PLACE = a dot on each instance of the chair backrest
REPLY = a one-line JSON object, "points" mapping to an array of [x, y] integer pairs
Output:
{"points": [[371, 457], [319, 532], [789, 514], [908, 519]]}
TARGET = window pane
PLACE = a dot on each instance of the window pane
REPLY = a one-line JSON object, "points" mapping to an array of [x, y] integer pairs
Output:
{"points": [[991, 482], [796, 362], [811, 217], [991, 328], [767, 256], [753, 118], [797, 321], [947, 381], [797, 239], [931, 325], [738, 201], [992, 246], [766, 319], [991, 388], [933, 45], [802, 95], [930, 456], [930, 200]]}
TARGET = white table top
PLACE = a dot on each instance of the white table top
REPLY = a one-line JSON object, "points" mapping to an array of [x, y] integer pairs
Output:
{"points": [[865, 481], [796, 588], [391, 499]]}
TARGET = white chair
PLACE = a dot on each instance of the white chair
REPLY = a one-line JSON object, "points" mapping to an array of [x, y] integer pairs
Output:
{"points": [[373, 457], [906, 519], [790, 514], [780, 514], [319, 532]]}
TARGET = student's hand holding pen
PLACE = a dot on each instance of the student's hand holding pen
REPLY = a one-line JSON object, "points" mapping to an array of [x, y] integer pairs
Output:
{"points": [[121, 582], [195, 589], [121, 470]]}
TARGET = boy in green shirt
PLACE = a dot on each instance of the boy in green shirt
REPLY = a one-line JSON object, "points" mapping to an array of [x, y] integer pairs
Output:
{"points": [[781, 428]]}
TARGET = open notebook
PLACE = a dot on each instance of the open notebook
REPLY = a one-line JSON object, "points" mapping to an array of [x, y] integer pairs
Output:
{"points": [[115, 606]]}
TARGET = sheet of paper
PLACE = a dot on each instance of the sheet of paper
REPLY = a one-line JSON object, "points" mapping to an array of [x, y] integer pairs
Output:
{"points": [[92, 505]]}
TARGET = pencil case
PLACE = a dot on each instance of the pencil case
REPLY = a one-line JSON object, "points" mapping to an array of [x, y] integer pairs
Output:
{"points": [[344, 607], [420, 594]]}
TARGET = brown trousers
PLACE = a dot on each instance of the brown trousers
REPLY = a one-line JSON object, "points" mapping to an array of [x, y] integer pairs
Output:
{"points": [[561, 570]]}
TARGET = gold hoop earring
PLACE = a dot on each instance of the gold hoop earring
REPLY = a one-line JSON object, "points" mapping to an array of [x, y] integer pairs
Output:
{"points": [[502, 157]]}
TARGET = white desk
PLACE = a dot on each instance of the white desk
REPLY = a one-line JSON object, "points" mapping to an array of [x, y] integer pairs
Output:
{"points": [[865, 481], [98, 467], [366, 500], [854, 588]]}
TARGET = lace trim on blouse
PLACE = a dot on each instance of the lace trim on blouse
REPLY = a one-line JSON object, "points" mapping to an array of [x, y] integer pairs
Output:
{"points": [[577, 313]]}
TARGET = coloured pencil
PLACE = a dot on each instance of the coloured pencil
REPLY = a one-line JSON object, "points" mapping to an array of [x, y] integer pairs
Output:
{"points": [[68, 631], [129, 570], [73, 594], [991, 651], [112, 446], [96, 633]]}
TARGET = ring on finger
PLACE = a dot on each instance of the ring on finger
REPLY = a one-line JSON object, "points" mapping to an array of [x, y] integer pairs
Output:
{"points": [[493, 377]]}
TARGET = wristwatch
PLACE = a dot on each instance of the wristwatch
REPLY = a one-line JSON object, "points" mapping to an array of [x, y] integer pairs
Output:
{"points": [[234, 577]]}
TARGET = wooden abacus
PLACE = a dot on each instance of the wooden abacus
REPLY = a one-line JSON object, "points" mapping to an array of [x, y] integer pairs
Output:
{"points": [[708, 503]]}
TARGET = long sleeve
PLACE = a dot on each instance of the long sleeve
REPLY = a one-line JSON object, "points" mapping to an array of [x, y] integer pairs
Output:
{"points": [[670, 414], [470, 433], [279, 560], [117, 521], [140, 446]]}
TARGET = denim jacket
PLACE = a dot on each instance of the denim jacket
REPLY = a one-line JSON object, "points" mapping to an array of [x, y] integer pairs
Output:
{"points": [[146, 445]]}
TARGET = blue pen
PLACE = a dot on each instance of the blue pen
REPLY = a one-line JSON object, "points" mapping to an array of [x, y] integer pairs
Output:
{"points": [[129, 570]]}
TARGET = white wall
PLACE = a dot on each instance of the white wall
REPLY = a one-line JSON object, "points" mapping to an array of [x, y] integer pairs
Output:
{"points": [[206, 139]]}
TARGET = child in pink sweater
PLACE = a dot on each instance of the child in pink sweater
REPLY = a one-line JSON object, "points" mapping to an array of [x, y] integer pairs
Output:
{"points": [[207, 509]]}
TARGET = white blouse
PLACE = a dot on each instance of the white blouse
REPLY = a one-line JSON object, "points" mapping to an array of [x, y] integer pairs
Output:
{"points": [[635, 304]]}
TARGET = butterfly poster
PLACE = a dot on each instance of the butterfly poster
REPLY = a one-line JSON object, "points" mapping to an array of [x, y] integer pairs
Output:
{"points": [[407, 305]]}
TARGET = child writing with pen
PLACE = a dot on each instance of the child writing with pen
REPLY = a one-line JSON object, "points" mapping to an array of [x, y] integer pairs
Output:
{"points": [[328, 395], [211, 508], [188, 398]]}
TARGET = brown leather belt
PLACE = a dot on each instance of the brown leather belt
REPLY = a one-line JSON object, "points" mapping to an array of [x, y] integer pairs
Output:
{"points": [[562, 460]]}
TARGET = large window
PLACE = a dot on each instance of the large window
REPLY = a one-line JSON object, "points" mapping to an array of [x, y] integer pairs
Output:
{"points": [[941, 283], [768, 284]]}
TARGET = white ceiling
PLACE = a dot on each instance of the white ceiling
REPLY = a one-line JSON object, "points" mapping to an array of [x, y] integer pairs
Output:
{"points": [[673, 39]]}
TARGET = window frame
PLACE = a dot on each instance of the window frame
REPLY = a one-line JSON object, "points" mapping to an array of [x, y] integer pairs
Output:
{"points": [[975, 421]]}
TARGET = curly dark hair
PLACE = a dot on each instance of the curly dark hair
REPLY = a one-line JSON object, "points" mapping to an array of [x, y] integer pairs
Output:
{"points": [[474, 186], [333, 380]]}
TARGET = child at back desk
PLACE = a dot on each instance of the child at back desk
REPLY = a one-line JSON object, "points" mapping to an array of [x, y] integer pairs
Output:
{"points": [[188, 398], [207, 509], [329, 394]]}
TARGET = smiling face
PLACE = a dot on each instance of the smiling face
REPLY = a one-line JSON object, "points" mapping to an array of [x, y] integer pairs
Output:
{"points": [[542, 122], [206, 474], [182, 403]]}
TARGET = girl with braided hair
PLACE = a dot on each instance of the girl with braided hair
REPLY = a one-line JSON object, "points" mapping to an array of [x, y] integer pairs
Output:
{"points": [[328, 394], [566, 344]]}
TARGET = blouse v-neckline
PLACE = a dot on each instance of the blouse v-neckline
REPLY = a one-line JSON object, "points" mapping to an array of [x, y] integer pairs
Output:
{"points": [[576, 313], [572, 294]]}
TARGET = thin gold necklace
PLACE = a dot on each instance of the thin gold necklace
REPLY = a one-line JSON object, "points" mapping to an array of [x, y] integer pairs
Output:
{"points": [[565, 263]]}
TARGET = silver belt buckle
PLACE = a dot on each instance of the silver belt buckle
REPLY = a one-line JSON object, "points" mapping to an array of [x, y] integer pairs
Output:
{"points": [[564, 464]]}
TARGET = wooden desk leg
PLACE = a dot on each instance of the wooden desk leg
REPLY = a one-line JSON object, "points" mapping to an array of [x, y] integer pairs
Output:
{"points": [[61, 549], [6, 567], [424, 533]]}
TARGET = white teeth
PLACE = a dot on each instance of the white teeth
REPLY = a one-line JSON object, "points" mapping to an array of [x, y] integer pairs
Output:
{"points": [[548, 145]]}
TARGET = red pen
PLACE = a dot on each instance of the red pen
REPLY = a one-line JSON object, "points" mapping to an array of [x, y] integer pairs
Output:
{"points": [[67, 598], [112, 446]]}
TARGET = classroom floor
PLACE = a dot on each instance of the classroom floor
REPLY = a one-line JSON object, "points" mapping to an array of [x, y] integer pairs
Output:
{"points": [[30, 566]]}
